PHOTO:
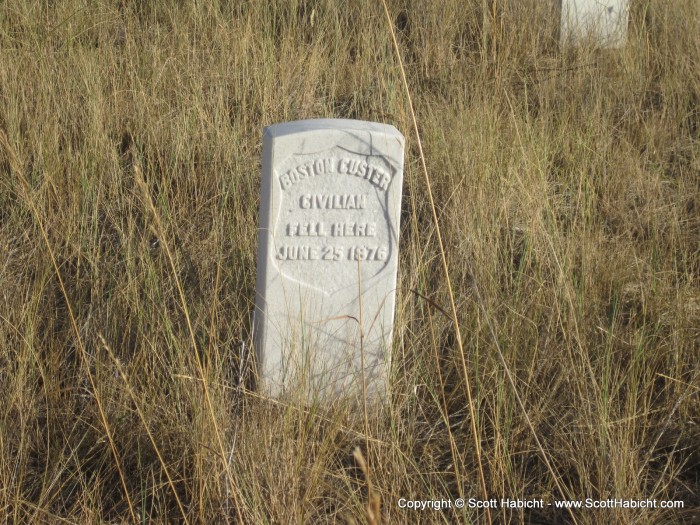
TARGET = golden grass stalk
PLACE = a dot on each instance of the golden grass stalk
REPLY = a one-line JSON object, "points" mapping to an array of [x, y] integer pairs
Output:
{"points": [[373, 508], [135, 400], [15, 167], [160, 231], [448, 282]]}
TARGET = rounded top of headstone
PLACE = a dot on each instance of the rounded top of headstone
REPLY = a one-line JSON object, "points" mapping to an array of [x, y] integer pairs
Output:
{"points": [[300, 126]]}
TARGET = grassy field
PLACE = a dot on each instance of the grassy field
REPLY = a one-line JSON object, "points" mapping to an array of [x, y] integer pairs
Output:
{"points": [[567, 190]]}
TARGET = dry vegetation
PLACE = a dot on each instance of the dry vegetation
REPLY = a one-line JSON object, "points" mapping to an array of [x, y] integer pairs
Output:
{"points": [[567, 185]]}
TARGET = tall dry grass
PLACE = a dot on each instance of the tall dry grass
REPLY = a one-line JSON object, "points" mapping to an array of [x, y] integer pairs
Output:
{"points": [[567, 190]]}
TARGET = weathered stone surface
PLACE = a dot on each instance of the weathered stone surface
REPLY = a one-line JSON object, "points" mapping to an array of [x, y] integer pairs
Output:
{"points": [[602, 21], [327, 256]]}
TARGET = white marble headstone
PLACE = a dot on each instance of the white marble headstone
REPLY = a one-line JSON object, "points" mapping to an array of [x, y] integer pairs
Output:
{"points": [[601, 21], [327, 256]]}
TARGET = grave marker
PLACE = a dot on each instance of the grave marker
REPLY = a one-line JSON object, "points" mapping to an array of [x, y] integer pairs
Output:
{"points": [[327, 256], [603, 21]]}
